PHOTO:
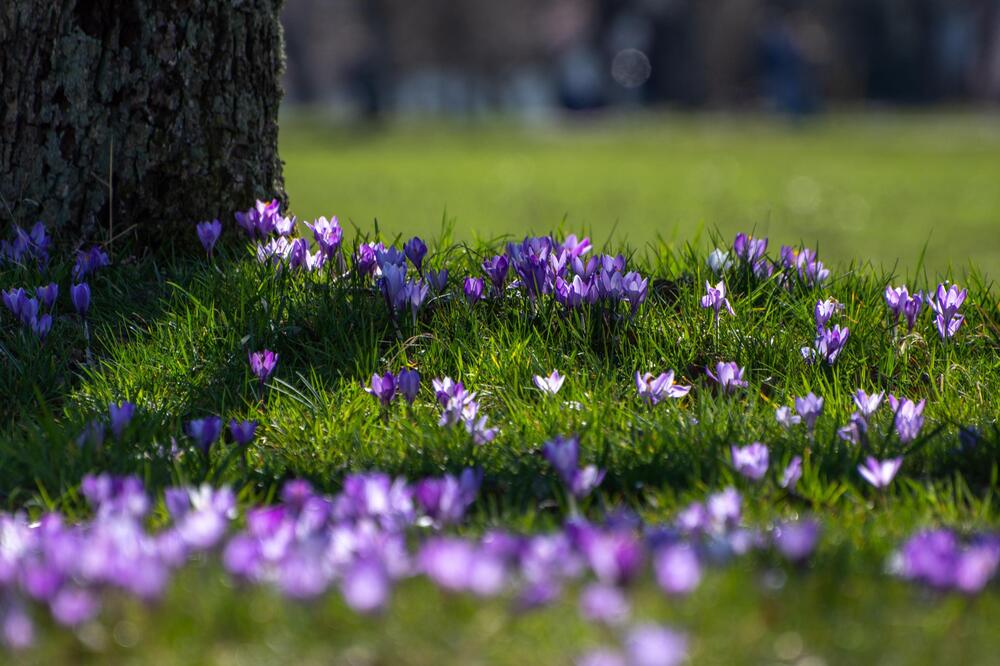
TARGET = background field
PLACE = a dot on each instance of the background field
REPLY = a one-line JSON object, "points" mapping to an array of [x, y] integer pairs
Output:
{"points": [[876, 186]]}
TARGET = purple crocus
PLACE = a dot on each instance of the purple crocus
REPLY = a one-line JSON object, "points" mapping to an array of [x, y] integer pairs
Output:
{"points": [[677, 569], [204, 431], [551, 384], [605, 604], [867, 404], [634, 289], [824, 311], [793, 472], [796, 540], [438, 280], [366, 586], [408, 383], [902, 304], [728, 375], [496, 270], [748, 248], [751, 460], [415, 250], [383, 388], [563, 454], [828, 344], [654, 390], [653, 645], [208, 234], [809, 408], [120, 416], [14, 299], [80, 295], [242, 432], [41, 326], [89, 261], [909, 417], [945, 307], [715, 298], [473, 289], [262, 364], [328, 235], [785, 417], [879, 473], [47, 294]]}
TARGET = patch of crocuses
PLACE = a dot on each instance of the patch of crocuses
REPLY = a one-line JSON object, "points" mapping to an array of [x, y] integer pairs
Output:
{"points": [[380, 531]]}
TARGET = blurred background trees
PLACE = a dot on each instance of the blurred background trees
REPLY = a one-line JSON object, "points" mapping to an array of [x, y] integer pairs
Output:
{"points": [[366, 57]]}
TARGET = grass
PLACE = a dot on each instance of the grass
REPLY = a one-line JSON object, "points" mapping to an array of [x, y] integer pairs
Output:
{"points": [[874, 186], [172, 334]]}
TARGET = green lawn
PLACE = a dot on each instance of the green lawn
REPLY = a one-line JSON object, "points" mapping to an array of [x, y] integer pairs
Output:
{"points": [[172, 334], [877, 187]]}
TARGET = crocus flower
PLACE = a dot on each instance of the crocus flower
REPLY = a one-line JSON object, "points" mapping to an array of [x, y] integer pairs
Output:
{"points": [[719, 261], [328, 235], [89, 261], [496, 270], [790, 477], [677, 569], [14, 298], [438, 280], [867, 404], [908, 419], [796, 540], [383, 388], [204, 431], [828, 344], [415, 293], [856, 430], [242, 432], [208, 234], [786, 417], [809, 408], [605, 604], [80, 295], [902, 303], [715, 298], [653, 390], [653, 645], [408, 383], [120, 415], [751, 460], [262, 364], [945, 307], [366, 586], [473, 289], [563, 455], [550, 384], [48, 294], [748, 248], [41, 326], [415, 250], [879, 473], [724, 509], [729, 376], [634, 290], [824, 311]]}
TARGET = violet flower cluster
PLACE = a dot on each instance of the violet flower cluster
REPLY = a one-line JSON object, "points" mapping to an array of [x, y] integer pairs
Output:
{"points": [[829, 342], [540, 266], [32, 244], [459, 406], [939, 559]]}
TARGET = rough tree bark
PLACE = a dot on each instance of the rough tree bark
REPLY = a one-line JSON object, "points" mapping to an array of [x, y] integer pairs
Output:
{"points": [[148, 115]]}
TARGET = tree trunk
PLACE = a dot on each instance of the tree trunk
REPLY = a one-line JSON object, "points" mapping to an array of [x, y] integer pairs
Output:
{"points": [[138, 118]]}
